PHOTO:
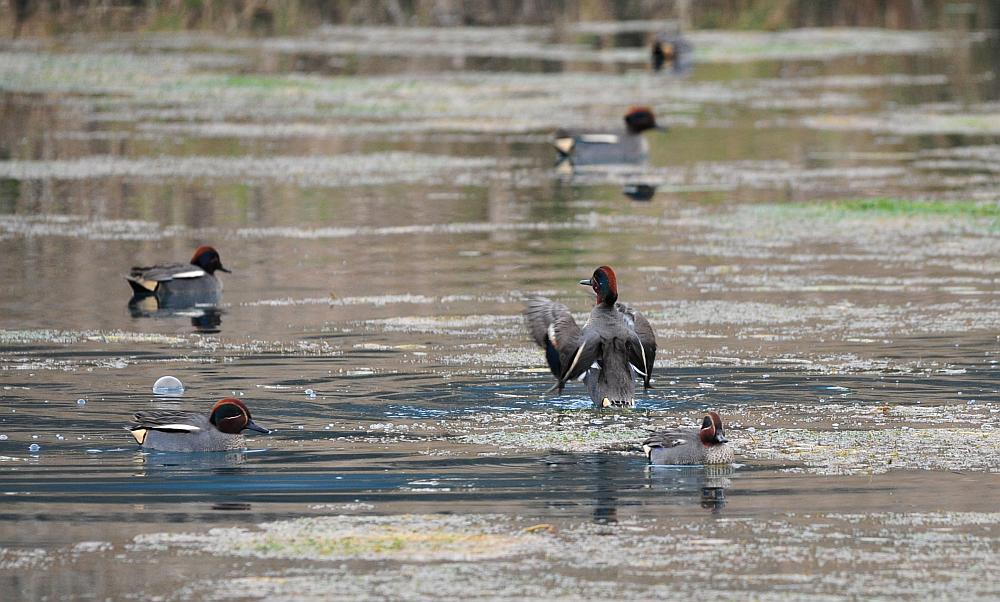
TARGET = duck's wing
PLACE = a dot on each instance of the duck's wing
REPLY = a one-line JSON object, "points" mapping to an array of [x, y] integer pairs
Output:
{"points": [[668, 439], [149, 277], [170, 421], [642, 346], [163, 273], [569, 352]]}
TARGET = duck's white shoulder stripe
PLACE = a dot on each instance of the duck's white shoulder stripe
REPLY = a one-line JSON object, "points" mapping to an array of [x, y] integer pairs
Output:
{"points": [[177, 427], [190, 274], [599, 138]]}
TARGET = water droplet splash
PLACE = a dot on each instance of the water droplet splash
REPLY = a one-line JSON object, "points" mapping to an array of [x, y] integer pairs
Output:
{"points": [[310, 394], [81, 402], [34, 447], [168, 385]]}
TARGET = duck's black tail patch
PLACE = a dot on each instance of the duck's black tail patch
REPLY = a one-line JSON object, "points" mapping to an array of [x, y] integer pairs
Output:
{"points": [[552, 358]]}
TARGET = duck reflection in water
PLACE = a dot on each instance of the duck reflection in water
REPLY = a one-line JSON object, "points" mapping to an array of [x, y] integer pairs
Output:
{"points": [[205, 319], [605, 491], [232, 462], [710, 482]]}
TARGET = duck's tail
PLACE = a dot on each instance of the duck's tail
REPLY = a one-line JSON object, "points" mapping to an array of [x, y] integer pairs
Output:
{"points": [[564, 143], [141, 286]]}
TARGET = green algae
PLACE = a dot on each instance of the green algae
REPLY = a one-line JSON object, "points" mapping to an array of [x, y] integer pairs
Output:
{"points": [[910, 207]]}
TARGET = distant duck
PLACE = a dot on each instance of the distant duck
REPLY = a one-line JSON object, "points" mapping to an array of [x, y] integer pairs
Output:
{"points": [[705, 445], [178, 284], [174, 431], [603, 148], [671, 49], [615, 346]]}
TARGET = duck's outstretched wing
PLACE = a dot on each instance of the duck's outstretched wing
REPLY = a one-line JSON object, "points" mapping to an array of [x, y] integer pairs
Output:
{"points": [[642, 347], [567, 351]]}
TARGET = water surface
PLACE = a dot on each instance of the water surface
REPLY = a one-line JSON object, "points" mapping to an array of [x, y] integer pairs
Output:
{"points": [[818, 261]]}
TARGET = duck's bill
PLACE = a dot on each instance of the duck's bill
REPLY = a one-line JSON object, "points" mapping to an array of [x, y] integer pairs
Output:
{"points": [[719, 438], [253, 426], [587, 282], [222, 269]]}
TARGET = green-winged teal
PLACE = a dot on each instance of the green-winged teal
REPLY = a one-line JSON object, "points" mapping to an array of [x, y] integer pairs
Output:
{"points": [[607, 147], [616, 345], [180, 284], [173, 431], [704, 445]]}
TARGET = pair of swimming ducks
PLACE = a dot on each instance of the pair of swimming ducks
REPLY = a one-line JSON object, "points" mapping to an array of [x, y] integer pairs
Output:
{"points": [[614, 347]]}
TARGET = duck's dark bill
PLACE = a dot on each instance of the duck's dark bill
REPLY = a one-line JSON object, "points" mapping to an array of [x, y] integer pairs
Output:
{"points": [[253, 426]]}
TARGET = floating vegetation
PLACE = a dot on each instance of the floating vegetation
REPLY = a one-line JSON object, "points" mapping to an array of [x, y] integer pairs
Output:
{"points": [[400, 538], [23, 337], [427, 556], [341, 170], [878, 451], [912, 122]]}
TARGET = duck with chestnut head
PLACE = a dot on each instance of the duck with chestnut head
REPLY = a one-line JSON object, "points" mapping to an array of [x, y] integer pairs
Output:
{"points": [[178, 285], [592, 147], [221, 430], [616, 345], [704, 445]]}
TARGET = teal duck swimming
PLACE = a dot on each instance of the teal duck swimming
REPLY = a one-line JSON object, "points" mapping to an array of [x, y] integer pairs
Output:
{"points": [[180, 284], [614, 347], [221, 430], [705, 445], [603, 147]]}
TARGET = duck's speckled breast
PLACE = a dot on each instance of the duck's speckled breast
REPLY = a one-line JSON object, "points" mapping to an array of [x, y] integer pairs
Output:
{"points": [[719, 454]]}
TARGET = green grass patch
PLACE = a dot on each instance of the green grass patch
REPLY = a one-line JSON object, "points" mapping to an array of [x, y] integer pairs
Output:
{"points": [[894, 206]]}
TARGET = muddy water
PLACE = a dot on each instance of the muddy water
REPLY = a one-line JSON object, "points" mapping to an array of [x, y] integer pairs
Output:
{"points": [[818, 260]]}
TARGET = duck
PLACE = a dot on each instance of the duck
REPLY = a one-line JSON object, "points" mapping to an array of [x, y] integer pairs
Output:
{"points": [[616, 345], [178, 284], [173, 431], [705, 445], [603, 148], [673, 49]]}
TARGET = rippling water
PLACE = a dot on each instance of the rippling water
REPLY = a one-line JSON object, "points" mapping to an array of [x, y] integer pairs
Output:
{"points": [[818, 261]]}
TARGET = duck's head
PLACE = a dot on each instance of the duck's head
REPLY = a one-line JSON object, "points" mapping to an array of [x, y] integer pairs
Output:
{"points": [[207, 258], [233, 417], [605, 285], [711, 432], [640, 119]]}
